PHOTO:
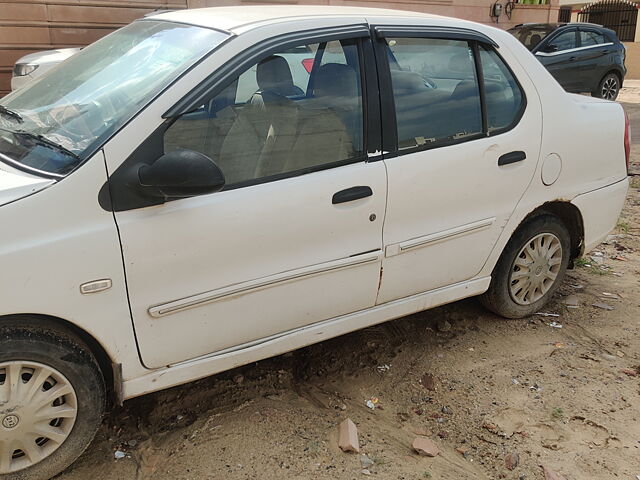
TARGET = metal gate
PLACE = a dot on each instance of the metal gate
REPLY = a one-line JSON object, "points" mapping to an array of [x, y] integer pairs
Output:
{"points": [[619, 16]]}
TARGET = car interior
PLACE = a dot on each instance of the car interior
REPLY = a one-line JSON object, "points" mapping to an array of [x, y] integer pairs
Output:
{"points": [[295, 120], [281, 128]]}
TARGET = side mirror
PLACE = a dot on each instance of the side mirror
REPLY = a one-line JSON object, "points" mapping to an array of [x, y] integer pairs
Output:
{"points": [[180, 174], [549, 48]]}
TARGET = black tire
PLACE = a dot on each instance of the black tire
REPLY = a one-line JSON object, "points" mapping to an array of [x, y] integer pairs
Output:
{"points": [[608, 88], [499, 298], [30, 340]]}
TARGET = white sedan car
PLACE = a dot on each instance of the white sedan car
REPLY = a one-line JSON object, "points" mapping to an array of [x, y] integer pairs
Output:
{"points": [[162, 224]]}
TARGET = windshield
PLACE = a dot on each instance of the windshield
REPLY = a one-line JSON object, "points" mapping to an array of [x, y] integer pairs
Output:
{"points": [[532, 35], [52, 124]]}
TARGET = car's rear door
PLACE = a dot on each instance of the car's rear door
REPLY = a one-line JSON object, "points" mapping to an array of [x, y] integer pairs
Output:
{"points": [[559, 54], [454, 174], [294, 238], [594, 57]]}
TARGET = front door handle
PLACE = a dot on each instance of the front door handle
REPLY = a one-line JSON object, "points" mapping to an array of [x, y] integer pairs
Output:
{"points": [[512, 157], [351, 194]]}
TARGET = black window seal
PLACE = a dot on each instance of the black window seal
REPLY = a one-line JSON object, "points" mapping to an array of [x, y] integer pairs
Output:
{"points": [[372, 135], [219, 80], [360, 158], [387, 101], [480, 78], [426, 31]]}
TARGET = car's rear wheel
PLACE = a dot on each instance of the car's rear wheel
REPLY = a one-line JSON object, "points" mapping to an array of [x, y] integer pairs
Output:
{"points": [[608, 88], [52, 398], [530, 269]]}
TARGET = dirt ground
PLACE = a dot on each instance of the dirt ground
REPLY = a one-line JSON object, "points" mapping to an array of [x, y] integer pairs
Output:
{"points": [[479, 386]]}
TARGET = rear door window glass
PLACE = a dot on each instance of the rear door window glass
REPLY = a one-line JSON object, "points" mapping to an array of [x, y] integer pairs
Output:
{"points": [[435, 89], [503, 96]]}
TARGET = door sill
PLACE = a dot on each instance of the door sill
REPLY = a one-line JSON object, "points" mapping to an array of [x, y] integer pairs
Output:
{"points": [[227, 359]]}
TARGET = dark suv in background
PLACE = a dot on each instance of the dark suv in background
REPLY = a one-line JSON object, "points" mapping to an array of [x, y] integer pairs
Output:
{"points": [[583, 57]]}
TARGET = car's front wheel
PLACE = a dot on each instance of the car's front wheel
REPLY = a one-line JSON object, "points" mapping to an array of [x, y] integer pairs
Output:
{"points": [[52, 397], [530, 269], [608, 88]]}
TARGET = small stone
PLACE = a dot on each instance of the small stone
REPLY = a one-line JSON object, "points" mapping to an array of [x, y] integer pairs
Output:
{"points": [[119, 454], [429, 382], [132, 443], [629, 372], [462, 451], [551, 475], [425, 447], [446, 410], [444, 326], [365, 461], [619, 354], [597, 260], [348, 441], [421, 431], [364, 471], [571, 301], [238, 379], [511, 461], [603, 306]]}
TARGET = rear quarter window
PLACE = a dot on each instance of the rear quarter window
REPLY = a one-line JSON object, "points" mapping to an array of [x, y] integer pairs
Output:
{"points": [[503, 96]]}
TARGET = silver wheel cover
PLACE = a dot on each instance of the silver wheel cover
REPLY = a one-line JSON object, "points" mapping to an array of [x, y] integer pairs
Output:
{"points": [[535, 269], [38, 408]]}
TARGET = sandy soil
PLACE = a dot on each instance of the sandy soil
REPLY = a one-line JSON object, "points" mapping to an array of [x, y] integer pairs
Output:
{"points": [[479, 386]]}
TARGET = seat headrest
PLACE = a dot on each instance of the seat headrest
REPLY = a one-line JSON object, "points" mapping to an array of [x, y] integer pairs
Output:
{"points": [[407, 82], [336, 80], [274, 75], [534, 40]]}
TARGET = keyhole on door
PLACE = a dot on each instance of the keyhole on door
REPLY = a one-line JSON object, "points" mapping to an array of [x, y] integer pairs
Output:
{"points": [[372, 217]]}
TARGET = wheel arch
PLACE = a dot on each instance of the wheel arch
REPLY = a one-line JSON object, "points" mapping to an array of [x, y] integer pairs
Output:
{"points": [[618, 73], [110, 371], [570, 216]]}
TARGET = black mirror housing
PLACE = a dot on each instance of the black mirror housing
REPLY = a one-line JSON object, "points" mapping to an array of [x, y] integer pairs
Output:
{"points": [[550, 48], [180, 174]]}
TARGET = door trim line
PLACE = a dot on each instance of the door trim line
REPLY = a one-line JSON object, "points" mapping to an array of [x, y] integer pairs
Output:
{"points": [[200, 299], [440, 236], [577, 49]]}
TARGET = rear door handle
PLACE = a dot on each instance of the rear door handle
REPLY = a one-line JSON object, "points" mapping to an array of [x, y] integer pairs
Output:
{"points": [[351, 194], [512, 157]]}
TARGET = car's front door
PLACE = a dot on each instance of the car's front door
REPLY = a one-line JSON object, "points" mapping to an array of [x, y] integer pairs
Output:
{"points": [[455, 173], [559, 55], [294, 238]]}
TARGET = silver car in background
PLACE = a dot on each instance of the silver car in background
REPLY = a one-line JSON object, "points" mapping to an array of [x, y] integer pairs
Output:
{"points": [[36, 64]]}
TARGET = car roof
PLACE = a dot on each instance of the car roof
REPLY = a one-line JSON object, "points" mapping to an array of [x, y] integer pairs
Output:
{"points": [[235, 17], [557, 25]]}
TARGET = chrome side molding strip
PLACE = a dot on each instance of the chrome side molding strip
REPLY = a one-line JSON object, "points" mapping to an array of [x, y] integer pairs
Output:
{"points": [[447, 234], [577, 49], [200, 299]]}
